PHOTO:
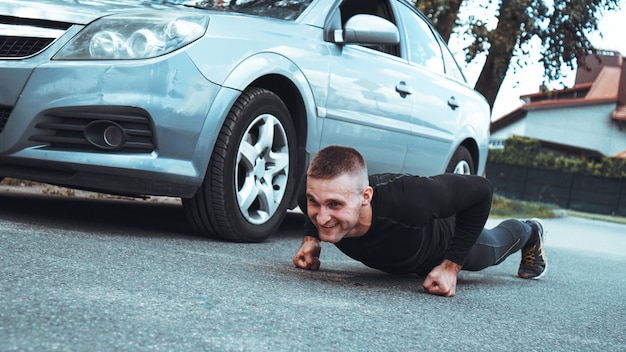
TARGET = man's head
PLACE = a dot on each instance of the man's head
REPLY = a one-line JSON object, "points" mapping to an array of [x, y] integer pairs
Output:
{"points": [[335, 160], [338, 193]]}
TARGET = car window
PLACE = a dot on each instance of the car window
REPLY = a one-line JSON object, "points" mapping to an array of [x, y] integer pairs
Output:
{"points": [[380, 8], [452, 67], [422, 44]]}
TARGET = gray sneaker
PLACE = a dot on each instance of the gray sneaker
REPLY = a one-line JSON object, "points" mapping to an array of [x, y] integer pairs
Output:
{"points": [[534, 262]]}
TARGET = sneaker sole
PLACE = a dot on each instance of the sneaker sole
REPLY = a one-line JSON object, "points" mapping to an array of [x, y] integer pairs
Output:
{"points": [[545, 269]]}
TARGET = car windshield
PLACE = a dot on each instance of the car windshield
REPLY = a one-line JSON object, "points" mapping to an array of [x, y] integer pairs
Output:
{"points": [[281, 9]]}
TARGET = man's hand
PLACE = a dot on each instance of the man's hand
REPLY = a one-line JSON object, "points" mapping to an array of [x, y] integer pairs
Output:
{"points": [[308, 256], [442, 279]]}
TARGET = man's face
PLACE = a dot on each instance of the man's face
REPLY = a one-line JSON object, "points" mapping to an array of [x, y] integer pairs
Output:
{"points": [[334, 206]]}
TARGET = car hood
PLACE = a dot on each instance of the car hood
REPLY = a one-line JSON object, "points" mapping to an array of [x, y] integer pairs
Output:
{"points": [[76, 11]]}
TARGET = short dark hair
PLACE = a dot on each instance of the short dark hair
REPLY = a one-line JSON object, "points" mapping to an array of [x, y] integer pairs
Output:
{"points": [[336, 160]]}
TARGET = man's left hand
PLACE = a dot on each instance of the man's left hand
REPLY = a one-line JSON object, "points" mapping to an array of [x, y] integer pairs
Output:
{"points": [[442, 279]]}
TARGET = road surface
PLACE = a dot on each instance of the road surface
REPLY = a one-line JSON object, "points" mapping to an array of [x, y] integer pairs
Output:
{"points": [[82, 274]]}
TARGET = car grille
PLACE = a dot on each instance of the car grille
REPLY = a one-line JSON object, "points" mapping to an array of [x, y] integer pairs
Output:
{"points": [[71, 128], [12, 47], [22, 38], [5, 111]]}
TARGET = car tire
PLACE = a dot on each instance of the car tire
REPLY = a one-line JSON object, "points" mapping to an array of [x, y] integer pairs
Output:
{"points": [[461, 162], [251, 177]]}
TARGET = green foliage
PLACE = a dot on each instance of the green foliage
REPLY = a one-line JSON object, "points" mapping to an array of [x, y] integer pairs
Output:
{"points": [[442, 13], [566, 37], [559, 29], [15, 182], [502, 207], [524, 151]]}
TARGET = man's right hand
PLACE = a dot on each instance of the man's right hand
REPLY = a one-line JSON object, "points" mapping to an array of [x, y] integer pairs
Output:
{"points": [[308, 256]]}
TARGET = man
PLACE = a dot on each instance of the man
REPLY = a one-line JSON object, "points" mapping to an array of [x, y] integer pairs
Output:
{"points": [[431, 226]]}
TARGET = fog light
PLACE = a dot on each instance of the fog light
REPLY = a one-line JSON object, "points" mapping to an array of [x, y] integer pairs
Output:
{"points": [[105, 135], [113, 136]]}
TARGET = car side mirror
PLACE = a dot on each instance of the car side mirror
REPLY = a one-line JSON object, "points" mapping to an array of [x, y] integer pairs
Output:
{"points": [[367, 29]]}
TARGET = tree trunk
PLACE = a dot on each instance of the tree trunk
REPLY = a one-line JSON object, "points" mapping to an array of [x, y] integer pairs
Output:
{"points": [[447, 19], [442, 13], [503, 40], [488, 83]]}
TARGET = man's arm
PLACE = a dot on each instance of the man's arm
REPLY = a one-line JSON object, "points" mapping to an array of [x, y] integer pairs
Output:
{"points": [[467, 197], [472, 197], [475, 200], [308, 255]]}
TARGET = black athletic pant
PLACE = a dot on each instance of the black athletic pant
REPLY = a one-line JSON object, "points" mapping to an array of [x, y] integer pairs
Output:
{"points": [[496, 244]]}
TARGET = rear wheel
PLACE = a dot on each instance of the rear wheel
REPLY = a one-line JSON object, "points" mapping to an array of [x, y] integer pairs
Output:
{"points": [[250, 177], [461, 162]]}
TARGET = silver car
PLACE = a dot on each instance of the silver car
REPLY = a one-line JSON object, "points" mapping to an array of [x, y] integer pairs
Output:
{"points": [[222, 103]]}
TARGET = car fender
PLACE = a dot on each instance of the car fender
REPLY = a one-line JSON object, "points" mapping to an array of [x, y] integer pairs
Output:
{"points": [[469, 134], [478, 123], [268, 63], [224, 100], [243, 76]]}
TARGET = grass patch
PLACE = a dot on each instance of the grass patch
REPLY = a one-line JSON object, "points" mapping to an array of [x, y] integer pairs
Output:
{"points": [[16, 182], [502, 207]]}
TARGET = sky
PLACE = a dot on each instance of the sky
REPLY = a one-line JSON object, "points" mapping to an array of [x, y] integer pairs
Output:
{"points": [[610, 36]]}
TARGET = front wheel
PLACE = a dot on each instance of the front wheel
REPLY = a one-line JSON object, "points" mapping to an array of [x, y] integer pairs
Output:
{"points": [[461, 162], [251, 175]]}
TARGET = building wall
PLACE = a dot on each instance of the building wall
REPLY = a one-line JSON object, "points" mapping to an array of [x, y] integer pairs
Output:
{"points": [[589, 127]]}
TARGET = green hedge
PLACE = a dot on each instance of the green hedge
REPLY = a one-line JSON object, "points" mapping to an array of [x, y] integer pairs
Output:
{"points": [[528, 152]]}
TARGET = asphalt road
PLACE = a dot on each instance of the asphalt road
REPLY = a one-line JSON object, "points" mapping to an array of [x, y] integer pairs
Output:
{"points": [[81, 274]]}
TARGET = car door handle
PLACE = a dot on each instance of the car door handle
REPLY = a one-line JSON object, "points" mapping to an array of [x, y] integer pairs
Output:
{"points": [[453, 103], [403, 89]]}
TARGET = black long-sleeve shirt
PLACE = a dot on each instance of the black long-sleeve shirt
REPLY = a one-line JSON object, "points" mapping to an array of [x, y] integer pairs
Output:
{"points": [[417, 222]]}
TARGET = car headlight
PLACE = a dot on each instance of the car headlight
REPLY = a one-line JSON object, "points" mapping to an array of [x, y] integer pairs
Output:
{"points": [[133, 36]]}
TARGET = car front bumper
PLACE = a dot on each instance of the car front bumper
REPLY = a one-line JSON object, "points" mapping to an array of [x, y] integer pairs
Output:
{"points": [[162, 109]]}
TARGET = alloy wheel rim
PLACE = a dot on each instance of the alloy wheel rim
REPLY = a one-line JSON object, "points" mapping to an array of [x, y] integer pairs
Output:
{"points": [[463, 167], [262, 169]]}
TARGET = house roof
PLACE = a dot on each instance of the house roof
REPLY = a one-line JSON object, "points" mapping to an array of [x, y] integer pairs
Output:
{"points": [[608, 86], [621, 155], [619, 113], [604, 82]]}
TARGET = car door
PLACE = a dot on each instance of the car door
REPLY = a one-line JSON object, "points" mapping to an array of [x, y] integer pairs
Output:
{"points": [[436, 98], [368, 107]]}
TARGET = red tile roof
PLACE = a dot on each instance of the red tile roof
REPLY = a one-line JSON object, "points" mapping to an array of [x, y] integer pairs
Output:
{"points": [[606, 84], [619, 113], [609, 86], [621, 155]]}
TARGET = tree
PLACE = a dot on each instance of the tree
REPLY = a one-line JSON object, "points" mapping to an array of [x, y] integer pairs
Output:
{"points": [[443, 14], [561, 27]]}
